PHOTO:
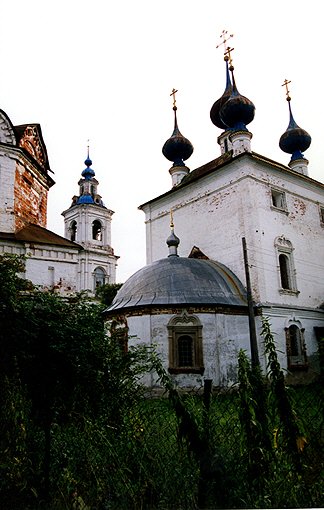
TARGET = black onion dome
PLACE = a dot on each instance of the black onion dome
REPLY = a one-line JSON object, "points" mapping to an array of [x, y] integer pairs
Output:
{"points": [[294, 140], [177, 148], [215, 109], [173, 240], [237, 111]]}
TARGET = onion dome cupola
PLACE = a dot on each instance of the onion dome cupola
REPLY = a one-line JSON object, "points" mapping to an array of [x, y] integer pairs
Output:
{"points": [[215, 109], [88, 186], [172, 241], [295, 140], [88, 172], [238, 111], [177, 149], [232, 111]]}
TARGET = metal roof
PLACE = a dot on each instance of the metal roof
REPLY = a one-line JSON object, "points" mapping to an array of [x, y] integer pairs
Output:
{"points": [[35, 234], [180, 281]]}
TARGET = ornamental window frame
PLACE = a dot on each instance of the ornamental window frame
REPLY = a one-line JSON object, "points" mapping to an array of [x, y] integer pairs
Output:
{"points": [[285, 266], [185, 345], [295, 346]]}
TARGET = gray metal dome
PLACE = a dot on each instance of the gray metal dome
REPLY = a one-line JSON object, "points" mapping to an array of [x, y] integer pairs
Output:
{"points": [[180, 281]]}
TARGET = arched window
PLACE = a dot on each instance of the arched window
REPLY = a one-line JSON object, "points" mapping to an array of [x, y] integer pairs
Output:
{"points": [[96, 230], [286, 268], [185, 345], [99, 277], [73, 229], [284, 271], [296, 349]]}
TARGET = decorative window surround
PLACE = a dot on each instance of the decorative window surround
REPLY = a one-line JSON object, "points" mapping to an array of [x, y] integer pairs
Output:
{"points": [[185, 345], [286, 267], [296, 347]]}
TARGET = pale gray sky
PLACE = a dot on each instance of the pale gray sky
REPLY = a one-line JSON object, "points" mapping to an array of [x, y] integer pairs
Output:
{"points": [[103, 70]]}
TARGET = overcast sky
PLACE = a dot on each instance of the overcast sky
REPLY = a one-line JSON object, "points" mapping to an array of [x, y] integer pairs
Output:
{"points": [[103, 70]]}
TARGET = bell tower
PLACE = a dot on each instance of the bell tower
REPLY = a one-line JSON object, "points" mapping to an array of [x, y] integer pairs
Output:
{"points": [[88, 223]]}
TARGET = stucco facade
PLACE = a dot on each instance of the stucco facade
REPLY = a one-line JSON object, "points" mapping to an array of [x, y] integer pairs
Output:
{"points": [[277, 209], [66, 265], [88, 222]]}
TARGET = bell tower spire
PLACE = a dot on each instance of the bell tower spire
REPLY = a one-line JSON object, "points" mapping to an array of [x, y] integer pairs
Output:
{"points": [[88, 222]]}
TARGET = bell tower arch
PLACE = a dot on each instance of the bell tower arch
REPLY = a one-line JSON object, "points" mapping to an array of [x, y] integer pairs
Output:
{"points": [[88, 222]]}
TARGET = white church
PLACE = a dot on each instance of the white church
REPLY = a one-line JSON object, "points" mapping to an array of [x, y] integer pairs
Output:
{"points": [[190, 299], [84, 258]]}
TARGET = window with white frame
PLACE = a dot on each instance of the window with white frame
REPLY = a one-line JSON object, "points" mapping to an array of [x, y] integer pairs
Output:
{"points": [[185, 345], [286, 267], [278, 199], [295, 346]]}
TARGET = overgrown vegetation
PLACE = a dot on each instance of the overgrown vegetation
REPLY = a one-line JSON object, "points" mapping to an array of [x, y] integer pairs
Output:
{"points": [[106, 293], [77, 430]]}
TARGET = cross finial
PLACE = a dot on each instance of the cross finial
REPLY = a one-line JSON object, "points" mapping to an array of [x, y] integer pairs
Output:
{"points": [[173, 93], [88, 144], [285, 84], [227, 50], [228, 56], [171, 219]]}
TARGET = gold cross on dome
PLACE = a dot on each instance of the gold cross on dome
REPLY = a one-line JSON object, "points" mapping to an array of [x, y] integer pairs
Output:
{"points": [[228, 56], [223, 36], [173, 93], [171, 218], [285, 84]]}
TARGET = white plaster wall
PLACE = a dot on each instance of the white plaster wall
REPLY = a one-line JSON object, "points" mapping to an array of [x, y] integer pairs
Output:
{"points": [[223, 336], [279, 319], [96, 253], [85, 215], [216, 212], [7, 181], [11, 248], [48, 267]]}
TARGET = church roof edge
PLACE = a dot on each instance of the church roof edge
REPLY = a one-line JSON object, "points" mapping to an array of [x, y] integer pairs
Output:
{"points": [[224, 160], [32, 233]]}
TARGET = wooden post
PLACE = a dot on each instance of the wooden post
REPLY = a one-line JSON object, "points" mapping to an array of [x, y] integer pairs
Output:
{"points": [[253, 337]]}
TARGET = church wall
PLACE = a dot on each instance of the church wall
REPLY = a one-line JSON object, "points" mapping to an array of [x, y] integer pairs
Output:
{"points": [[223, 336], [300, 224], [97, 253], [51, 267], [88, 262], [7, 180], [30, 198], [306, 319], [218, 210], [206, 214], [11, 248], [85, 215]]}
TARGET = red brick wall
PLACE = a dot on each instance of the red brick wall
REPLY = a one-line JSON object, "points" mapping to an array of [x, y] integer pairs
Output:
{"points": [[30, 203]]}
